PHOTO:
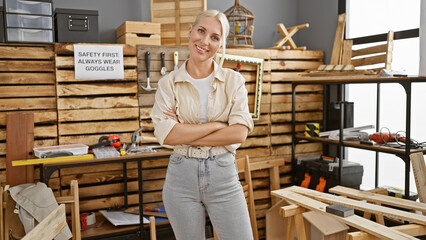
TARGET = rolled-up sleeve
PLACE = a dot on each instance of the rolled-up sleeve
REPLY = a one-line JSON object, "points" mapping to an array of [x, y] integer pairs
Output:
{"points": [[164, 100], [240, 112]]}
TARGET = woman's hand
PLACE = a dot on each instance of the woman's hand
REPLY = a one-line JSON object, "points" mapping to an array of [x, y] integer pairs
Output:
{"points": [[171, 113]]}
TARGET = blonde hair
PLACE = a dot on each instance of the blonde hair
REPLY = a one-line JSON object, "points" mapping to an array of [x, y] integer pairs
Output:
{"points": [[225, 27]]}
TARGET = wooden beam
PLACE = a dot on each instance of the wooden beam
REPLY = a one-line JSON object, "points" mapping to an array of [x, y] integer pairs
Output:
{"points": [[363, 206], [419, 170], [354, 220], [410, 229], [379, 198], [338, 40], [291, 210]]}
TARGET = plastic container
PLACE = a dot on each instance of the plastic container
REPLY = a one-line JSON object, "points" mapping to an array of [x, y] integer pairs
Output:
{"points": [[76, 25], [29, 35], [29, 7], [29, 21], [75, 149]]}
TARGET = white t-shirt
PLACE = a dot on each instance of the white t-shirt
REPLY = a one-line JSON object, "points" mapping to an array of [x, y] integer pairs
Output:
{"points": [[204, 87]]}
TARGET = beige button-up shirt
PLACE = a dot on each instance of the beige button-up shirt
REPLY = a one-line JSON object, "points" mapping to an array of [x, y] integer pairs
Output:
{"points": [[226, 103]]}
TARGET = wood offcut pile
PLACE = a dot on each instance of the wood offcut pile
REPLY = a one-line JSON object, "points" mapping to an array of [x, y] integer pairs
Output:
{"points": [[302, 200]]}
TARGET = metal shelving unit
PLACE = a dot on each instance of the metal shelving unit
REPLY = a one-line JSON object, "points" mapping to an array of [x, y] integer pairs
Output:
{"points": [[341, 81]]}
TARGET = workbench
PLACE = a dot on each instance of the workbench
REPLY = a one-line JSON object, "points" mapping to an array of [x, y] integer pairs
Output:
{"points": [[341, 81], [108, 231]]}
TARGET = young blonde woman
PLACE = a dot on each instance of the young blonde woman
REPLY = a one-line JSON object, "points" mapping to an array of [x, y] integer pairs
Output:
{"points": [[202, 110]]}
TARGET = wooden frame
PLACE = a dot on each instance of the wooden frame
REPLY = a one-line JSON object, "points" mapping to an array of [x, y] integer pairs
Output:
{"points": [[259, 78]]}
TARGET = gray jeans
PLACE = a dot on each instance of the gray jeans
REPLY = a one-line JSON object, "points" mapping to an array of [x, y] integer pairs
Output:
{"points": [[194, 185]]}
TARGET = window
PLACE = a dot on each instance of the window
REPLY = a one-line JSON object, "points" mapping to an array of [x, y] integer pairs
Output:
{"points": [[372, 17]]}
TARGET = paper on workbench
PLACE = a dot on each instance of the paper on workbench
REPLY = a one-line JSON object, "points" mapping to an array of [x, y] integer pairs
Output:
{"points": [[120, 218]]}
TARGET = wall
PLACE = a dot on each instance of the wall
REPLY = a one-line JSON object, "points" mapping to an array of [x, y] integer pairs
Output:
{"points": [[322, 19]]}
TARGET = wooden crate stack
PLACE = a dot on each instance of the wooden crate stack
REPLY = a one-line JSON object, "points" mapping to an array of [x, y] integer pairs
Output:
{"points": [[147, 98], [271, 139], [27, 84], [175, 17], [89, 109]]}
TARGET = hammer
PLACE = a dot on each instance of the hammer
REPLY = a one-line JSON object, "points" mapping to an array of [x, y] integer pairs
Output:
{"points": [[148, 63]]}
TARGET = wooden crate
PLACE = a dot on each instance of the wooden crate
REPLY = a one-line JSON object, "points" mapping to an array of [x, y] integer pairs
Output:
{"points": [[146, 98], [175, 17], [139, 33], [89, 109], [27, 84], [273, 142]]}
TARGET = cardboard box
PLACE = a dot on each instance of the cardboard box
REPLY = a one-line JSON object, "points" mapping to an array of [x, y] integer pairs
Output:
{"points": [[139, 33]]}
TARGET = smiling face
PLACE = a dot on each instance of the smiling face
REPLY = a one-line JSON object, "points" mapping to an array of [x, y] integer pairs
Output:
{"points": [[204, 39]]}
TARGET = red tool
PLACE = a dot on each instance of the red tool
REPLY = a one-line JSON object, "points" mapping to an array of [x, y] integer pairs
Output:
{"points": [[385, 137], [104, 141], [150, 209]]}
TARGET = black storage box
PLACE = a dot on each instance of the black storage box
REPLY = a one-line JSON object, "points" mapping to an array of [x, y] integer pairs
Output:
{"points": [[351, 173], [1, 24], [75, 25]]}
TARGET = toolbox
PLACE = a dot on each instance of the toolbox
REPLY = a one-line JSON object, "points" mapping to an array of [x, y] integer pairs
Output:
{"points": [[317, 168], [28, 21], [1, 25], [139, 33], [76, 25]]}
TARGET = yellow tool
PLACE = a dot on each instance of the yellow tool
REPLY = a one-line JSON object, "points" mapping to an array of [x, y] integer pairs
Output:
{"points": [[52, 160]]}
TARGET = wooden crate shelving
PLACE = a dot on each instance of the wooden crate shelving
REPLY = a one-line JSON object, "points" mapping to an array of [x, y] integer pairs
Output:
{"points": [[89, 109], [175, 17], [27, 84], [147, 98], [280, 66]]}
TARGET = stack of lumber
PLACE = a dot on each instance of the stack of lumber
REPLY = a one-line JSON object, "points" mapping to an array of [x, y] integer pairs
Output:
{"points": [[381, 206], [27, 84]]}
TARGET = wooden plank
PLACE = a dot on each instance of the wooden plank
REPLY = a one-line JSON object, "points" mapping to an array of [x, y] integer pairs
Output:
{"points": [[287, 107], [296, 54], [28, 91], [50, 226], [13, 104], [363, 206], [27, 52], [96, 89], [20, 142], [286, 128], [300, 148], [93, 138], [300, 117], [419, 171], [347, 52], [369, 50], [98, 114], [27, 66], [300, 98], [294, 65], [410, 229], [336, 53], [40, 117], [378, 198], [97, 127], [354, 220], [98, 102], [369, 60], [68, 48], [69, 76], [286, 88], [27, 78]]}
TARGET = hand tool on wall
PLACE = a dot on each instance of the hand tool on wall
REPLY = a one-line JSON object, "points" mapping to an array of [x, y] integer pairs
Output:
{"points": [[176, 60], [148, 64], [163, 64]]}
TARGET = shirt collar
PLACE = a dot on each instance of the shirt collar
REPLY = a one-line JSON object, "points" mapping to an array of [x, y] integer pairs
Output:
{"points": [[180, 75]]}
